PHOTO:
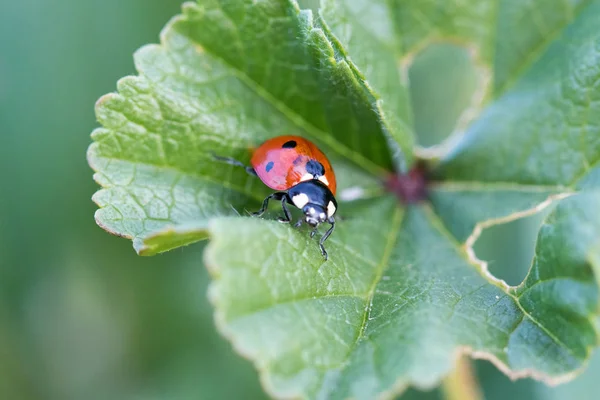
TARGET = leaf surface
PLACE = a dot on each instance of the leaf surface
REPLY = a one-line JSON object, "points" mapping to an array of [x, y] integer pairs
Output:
{"points": [[397, 299], [402, 293], [547, 125], [225, 78]]}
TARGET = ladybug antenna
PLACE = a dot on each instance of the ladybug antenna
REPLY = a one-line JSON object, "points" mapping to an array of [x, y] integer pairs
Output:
{"points": [[233, 161]]}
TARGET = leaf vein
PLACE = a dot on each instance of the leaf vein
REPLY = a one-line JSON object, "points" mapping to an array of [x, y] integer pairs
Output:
{"points": [[391, 240], [439, 225], [293, 300], [299, 120], [226, 185]]}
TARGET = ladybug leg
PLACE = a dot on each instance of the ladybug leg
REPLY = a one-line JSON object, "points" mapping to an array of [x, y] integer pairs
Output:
{"points": [[265, 204], [298, 223], [237, 163], [325, 236], [286, 212]]}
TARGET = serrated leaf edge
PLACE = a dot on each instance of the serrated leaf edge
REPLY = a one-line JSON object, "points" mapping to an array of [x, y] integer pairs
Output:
{"points": [[483, 75], [400, 385], [482, 267]]}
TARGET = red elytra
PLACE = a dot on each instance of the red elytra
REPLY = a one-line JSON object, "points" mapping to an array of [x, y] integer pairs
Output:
{"points": [[285, 161]]}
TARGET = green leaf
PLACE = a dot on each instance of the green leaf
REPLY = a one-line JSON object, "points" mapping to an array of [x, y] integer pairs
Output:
{"points": [[402, 293], [493, 29], [213, 86], [552, 112], [373, 48], [397, 300], [463, 205], [540, 137]]}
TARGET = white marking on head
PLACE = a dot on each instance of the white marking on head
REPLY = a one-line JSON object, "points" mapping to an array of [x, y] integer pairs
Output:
{"points": [[307, 177], [300, 200], [324, 180], [330, 209]]}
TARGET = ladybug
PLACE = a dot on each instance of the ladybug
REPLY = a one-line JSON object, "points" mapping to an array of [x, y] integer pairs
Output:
{"points": [[302, 176]]}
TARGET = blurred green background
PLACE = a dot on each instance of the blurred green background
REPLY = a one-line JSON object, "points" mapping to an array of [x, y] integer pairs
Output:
{"points": [[82, 316]]}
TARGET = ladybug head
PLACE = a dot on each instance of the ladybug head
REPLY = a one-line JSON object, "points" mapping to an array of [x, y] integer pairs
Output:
{"points": [[315, 200], [314, 214]]}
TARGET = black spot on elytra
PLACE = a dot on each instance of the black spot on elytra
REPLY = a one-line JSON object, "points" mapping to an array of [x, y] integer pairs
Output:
{"points": [[298, 160], [290, 144], [315, 168], [269, 166]]}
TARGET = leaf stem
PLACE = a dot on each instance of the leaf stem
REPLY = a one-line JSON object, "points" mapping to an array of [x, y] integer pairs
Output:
{"points": [[462, 383]]}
